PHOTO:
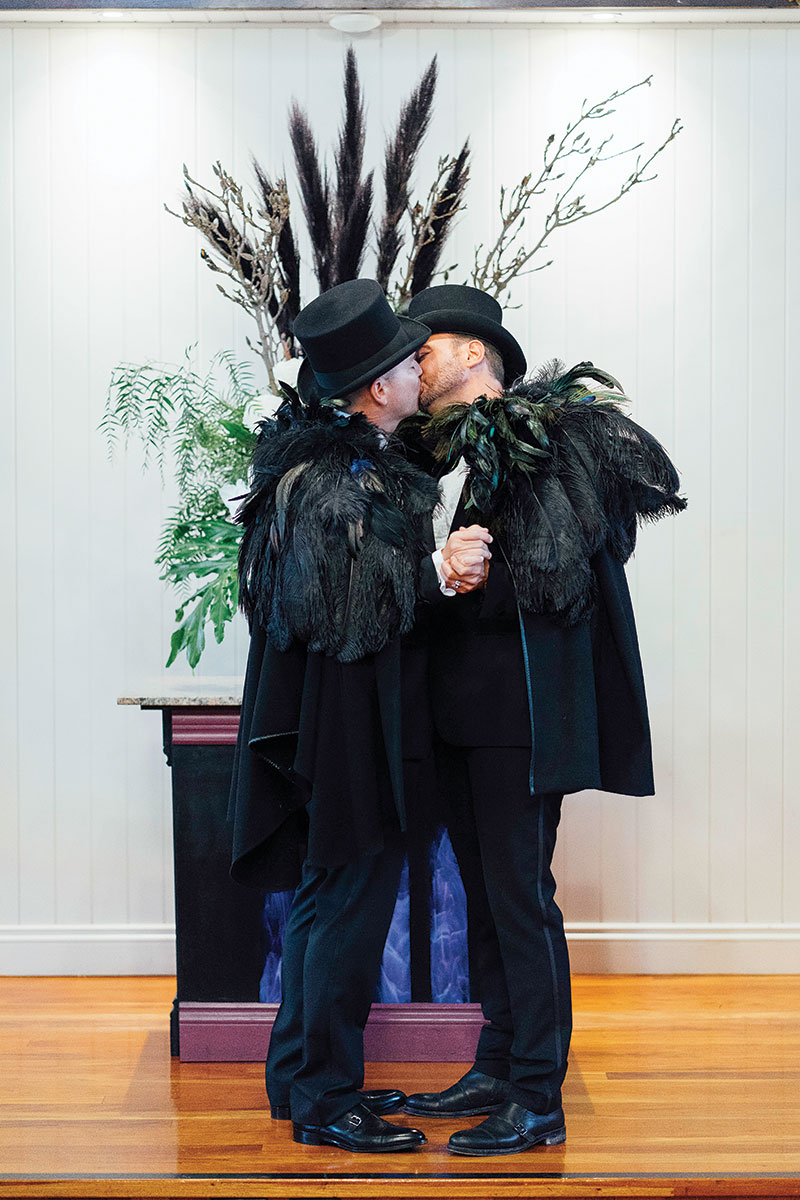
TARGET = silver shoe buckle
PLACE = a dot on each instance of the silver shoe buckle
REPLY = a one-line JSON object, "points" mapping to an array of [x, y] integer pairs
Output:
{"points": [[519, 1128], [355, 1120]]}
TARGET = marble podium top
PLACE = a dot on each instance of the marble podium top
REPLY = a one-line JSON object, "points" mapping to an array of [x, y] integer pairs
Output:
{"points": [[221, 691]]}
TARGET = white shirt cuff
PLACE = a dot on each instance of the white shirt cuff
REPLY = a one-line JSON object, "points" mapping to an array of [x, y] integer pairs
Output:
{"points": [[438, 562]]}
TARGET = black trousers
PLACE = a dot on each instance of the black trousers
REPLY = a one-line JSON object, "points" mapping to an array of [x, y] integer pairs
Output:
{"points": [[504, 839], [332, 950]]}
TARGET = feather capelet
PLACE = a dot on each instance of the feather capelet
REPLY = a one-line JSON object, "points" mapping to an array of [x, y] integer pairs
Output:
{"points": [[333, 533], [557, 471]]}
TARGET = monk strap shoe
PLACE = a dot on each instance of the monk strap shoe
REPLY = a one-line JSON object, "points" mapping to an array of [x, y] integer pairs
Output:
{"points": [[509, 1130], [379, 1101], [471, 1096], [361, 1131]]}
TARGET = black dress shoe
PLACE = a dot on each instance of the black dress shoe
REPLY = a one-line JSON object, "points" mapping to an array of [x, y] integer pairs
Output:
{"points": [[472, 1095], [509, 1130], [378, 1101], [382, 1100], [361, 1131]]}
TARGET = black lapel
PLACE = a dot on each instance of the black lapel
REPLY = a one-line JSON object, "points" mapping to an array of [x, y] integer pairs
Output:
{"points": [[461, 515]]}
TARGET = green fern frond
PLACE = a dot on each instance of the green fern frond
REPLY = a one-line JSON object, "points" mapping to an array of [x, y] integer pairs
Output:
{"points": [[195, 422]]}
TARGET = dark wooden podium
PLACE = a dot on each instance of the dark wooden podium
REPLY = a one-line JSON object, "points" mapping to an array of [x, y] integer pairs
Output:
{"points": [[225, 933]]}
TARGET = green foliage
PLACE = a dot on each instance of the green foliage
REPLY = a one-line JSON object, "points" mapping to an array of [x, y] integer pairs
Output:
{"points": [[196, 422], [212, 559]]}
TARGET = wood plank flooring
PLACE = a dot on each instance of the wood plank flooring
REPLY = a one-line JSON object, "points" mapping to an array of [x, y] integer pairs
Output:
{"points": [[678, 1086]]}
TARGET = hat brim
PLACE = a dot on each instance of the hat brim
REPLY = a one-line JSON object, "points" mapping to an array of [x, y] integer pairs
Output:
{"points": [[307, 387], [452, 320], [409, 337]]}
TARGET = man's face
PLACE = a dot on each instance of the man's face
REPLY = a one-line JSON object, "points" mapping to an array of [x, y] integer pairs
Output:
{"points": [[401, 387], [444, 369]]}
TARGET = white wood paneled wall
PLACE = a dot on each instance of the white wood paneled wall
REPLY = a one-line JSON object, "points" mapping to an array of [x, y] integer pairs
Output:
{"points": [[689, 291]]}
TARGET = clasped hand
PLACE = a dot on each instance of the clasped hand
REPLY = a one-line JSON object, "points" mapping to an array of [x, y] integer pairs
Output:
{"points": [[465, 558]]}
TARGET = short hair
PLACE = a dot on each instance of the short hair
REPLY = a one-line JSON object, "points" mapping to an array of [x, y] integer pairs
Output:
{"points": [[351, 398], [494, 358]]}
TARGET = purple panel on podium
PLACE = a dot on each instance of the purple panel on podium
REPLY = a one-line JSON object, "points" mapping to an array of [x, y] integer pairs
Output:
{"points": [[394, 1033]]}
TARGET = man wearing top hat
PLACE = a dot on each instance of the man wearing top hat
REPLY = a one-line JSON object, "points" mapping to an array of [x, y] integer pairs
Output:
{"points": [[536, 680], [333, 740]]}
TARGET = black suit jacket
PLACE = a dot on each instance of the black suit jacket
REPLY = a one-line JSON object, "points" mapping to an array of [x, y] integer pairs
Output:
{"points": [[503, 677]]}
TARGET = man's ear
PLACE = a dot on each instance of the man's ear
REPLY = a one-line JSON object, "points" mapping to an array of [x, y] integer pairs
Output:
{"points": [[377, 390], [476, 352]]}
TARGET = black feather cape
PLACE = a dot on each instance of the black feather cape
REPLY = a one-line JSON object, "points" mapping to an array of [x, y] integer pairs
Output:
{"points": [[558, 471], [333, 533]]}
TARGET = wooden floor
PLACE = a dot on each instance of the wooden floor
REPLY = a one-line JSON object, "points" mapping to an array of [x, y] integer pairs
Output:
{"points": [[678, 1086]]}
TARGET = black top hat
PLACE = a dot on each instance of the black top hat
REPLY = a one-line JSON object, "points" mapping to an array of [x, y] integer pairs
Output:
{"points": [[456, 308], [351, 336]]}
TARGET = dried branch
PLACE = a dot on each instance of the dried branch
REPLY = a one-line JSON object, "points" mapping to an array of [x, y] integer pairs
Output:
{"points": [[400, 159], [282, 314], [507, 259], [246, 243], [430, 225]]}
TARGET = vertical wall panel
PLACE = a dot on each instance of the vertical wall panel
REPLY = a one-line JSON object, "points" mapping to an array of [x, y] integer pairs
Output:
{"points": [[73, 418], [791, 541], [9, 775], [34, 367], [728, 477], [691, 448], [252, 48], [765, 535], [652, 387], [107, 179]]}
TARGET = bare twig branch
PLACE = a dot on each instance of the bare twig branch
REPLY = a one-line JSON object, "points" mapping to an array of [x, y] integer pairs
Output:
{"points": [[507, 258], [244, 247]]}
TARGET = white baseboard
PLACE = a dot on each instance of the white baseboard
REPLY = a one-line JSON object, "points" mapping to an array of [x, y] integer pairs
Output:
{"points": [[602, 949], [683, 949], [87, 949]]}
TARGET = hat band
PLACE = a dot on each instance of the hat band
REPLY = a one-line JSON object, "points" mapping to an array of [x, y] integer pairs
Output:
{"points": [[332, 381]]}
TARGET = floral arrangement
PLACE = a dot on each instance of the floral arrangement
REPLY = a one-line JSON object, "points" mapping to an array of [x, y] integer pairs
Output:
{"points": [[205, 423]]}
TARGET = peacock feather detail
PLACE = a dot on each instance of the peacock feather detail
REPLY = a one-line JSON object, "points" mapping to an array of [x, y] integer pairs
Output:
{"points": [[557, 470]]}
